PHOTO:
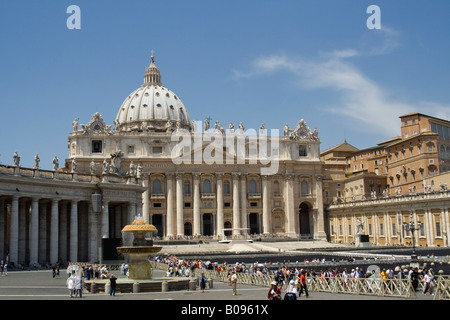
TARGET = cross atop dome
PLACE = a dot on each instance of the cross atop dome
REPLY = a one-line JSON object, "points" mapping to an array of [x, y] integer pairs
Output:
{"points": [[153, 56]]}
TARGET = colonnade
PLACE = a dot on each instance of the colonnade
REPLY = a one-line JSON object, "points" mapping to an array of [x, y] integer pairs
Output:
{"points": [[48, 230]]}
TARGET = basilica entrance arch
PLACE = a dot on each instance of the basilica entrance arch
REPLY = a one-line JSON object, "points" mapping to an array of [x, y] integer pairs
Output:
{"points": [[188, 229], [228, 225], [304, 219], [207, 224], [254, 223], [157, 222]]}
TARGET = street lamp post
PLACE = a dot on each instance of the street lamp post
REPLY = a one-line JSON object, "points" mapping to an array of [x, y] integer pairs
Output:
{"points": [[412, 226]]}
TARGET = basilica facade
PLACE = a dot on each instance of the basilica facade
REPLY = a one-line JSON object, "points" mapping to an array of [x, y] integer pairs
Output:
{"points": [[200, 179]]}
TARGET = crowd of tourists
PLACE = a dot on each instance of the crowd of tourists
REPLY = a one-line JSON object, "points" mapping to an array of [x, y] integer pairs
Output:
{"points": [[293, 281]]}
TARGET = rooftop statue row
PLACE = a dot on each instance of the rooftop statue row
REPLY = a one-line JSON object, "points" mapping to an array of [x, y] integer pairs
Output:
{"points": [[97, 125]]}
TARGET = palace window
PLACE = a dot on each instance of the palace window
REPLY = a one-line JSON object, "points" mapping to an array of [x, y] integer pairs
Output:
{"points": [[438, 229]]}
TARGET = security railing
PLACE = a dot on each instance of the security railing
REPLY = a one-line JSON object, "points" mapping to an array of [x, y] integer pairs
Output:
{"points": [[401, 288]]}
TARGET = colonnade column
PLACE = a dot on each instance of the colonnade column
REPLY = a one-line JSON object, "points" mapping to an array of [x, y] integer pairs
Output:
{"points": [[2, 227], [266, 213], [220, 223], [105, 220], [73, 254], [22, 232], [170, 226], [42, 251], [14, 231], [180, 218], [92, 235], [54, 232], [145, 200], [236, 216], [196, 217], [63, 232]]}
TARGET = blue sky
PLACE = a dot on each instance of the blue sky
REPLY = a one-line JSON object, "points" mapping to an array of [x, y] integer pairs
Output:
{"points": [[255, 61]]}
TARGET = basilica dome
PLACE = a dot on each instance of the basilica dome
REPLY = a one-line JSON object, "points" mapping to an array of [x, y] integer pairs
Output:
{"points": [[152, 107]]}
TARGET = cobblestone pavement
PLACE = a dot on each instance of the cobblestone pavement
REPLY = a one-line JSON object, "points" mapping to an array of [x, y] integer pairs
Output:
{"points": [[40, 285]]}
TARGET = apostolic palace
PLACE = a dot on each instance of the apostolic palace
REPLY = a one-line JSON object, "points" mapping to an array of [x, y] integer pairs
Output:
{"points": [[201, 180]]}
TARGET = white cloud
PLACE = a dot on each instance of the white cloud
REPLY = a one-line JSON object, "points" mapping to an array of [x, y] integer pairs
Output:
{"points": [[359, 97]]}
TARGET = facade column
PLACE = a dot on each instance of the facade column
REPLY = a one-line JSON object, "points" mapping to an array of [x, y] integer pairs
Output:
{"points": [[73, 254], [197, 224], [180, 217], [320, 228], [236, 216], [430, 228], [243, 213], [266, 213], [54, 232], [220, 218], [170, 216], [444, 227], [14, 231], [105, 220], [447, 226], [289, 200]]}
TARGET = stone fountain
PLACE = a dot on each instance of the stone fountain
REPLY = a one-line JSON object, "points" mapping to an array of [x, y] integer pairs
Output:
{"points": [[139, 252]]}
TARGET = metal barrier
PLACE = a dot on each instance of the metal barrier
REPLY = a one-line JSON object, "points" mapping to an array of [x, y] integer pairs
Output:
{"points": [[401, 288]]}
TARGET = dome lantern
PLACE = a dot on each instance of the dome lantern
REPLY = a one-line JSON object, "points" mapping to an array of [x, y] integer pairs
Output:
{"points": [[152, 75]]}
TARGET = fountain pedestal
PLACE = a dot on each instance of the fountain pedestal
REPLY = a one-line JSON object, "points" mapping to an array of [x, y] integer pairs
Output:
{"points": [[139, 264]]}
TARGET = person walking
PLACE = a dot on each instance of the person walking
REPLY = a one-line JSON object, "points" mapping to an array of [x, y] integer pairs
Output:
{"points": [[427, 283], [303, 284], [414, 278], [234, 282], [112, 280]]}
